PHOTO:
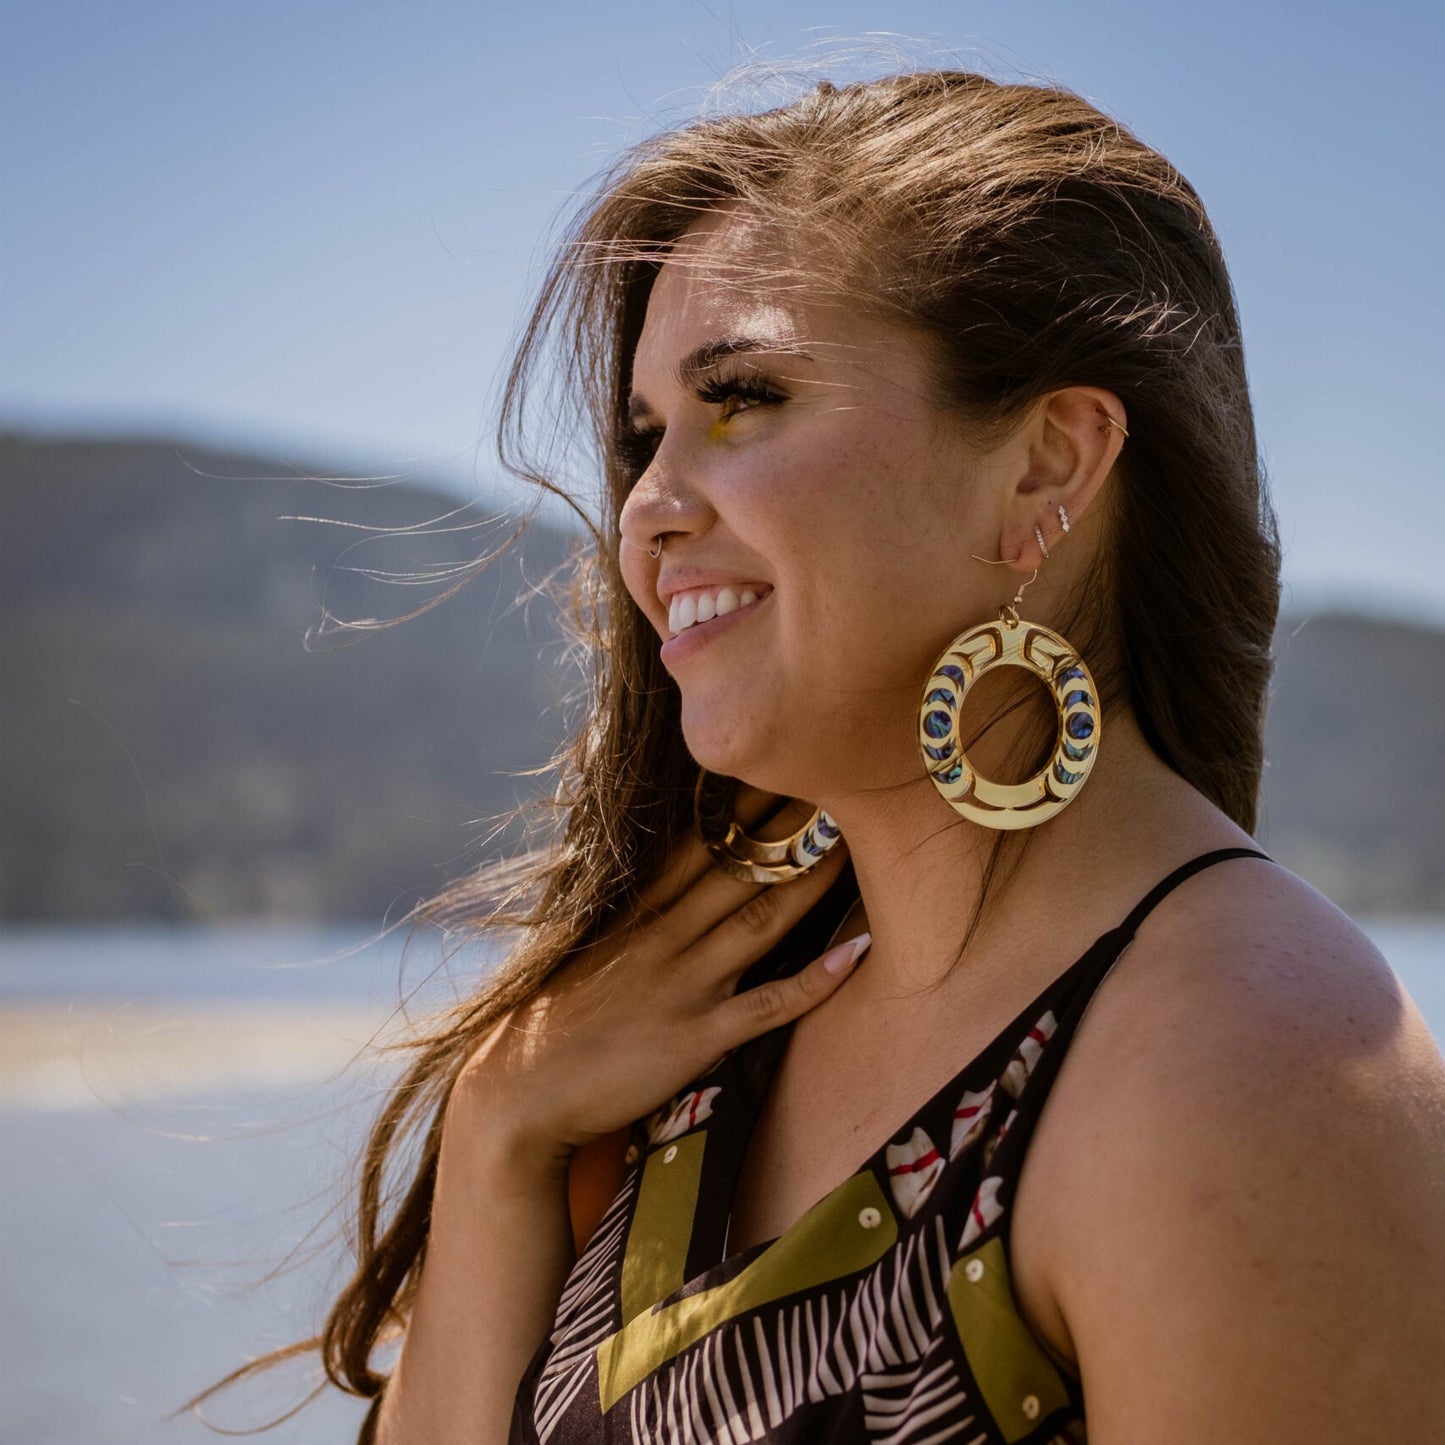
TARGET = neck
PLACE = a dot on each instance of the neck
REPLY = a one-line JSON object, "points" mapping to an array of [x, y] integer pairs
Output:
{"points": [[921, 869]]}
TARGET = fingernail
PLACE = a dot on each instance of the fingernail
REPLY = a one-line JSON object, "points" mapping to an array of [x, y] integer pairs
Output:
{"points": [[842, 958]]}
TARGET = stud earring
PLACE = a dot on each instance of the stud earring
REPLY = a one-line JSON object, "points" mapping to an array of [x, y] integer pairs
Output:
{"points": [[1063, 517], [1039, 533]]}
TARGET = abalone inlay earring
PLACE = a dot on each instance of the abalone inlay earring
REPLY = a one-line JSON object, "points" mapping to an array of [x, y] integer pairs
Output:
{"points": [[1009, 642], [751, 859]]}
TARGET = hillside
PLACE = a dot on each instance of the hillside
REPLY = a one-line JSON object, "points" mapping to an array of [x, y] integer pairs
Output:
{"points": [[169, 748]]}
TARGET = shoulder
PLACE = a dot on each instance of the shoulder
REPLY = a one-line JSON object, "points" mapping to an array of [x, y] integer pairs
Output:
{"points": [[1255, 1116], [1248, 952], [1248, 977]]}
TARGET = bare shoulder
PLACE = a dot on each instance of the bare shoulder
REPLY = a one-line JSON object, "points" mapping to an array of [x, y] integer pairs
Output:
{"points": [[1250, 1133], [1252, 960]]}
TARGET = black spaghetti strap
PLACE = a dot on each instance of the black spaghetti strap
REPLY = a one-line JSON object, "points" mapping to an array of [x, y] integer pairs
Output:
{"points": [[1078, 998], [1185, 870]]}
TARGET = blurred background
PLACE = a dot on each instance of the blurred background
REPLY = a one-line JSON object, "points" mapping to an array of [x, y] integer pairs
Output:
{"points": [[260, 270]]}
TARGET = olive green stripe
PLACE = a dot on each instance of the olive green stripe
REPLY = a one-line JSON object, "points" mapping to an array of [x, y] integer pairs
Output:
{"points": [[661, 1231], [829, 1242], [1017, 1379]]}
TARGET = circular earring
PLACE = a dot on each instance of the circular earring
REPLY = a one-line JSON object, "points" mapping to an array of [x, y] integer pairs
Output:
{"points": [[750, 859], [1009, 642]]}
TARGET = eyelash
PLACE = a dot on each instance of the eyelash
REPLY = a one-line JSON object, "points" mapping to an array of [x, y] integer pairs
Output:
{"points": [[638, 444], [721, 389]]}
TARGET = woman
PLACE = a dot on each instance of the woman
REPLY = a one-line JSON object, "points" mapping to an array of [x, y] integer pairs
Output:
{"points": [[1115, 1119]]}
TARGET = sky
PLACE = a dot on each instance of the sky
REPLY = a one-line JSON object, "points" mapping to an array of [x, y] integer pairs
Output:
{"points": [[311, 229]]}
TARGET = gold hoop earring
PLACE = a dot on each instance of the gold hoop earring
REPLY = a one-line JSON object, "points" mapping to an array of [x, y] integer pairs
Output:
{"points": [[1110, 421], [751, 859], [1009, 642]]}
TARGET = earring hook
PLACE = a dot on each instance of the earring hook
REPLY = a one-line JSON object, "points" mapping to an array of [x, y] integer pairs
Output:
{"points": [[1009, 611]]}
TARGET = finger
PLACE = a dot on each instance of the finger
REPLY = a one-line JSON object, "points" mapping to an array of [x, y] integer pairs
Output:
{"points": [[746, 1015], [725, 941], [688, 862]]}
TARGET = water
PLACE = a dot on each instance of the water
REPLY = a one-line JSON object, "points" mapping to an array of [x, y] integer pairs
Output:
{"points": [[262, 962], [178, 1112], [180, 1106]]}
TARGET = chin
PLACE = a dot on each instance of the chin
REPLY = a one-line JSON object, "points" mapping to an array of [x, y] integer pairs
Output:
{"points": [[715, 753], [720, 745], [757, 768]]}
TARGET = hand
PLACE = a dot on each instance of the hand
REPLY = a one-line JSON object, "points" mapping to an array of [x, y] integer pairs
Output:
{"points": [[627, 1024]]}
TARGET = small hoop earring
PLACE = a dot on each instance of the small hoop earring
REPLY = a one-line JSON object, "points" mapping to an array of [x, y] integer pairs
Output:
{"points": [[750, 859], [1109, 421], [657, 550]]}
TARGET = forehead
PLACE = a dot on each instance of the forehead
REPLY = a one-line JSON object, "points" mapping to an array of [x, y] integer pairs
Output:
{"points": [[733, 276], [722, 277]]}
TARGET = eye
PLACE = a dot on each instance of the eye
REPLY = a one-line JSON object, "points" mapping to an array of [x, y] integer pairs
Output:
{"points": [[735, 392], [729, 390]]}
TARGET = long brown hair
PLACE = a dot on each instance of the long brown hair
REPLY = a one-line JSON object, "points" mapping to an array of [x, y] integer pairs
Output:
{"points": [[1031, 243]]}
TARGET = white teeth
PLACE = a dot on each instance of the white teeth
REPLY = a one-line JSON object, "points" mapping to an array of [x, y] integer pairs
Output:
{"points": [[686, 609]]}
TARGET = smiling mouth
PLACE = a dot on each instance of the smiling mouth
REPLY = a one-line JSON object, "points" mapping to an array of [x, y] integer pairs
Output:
{"points": [[690, 610], [684, 643]]}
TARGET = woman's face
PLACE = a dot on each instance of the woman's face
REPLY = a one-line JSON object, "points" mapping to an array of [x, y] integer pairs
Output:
{"points": [[800, 460]]}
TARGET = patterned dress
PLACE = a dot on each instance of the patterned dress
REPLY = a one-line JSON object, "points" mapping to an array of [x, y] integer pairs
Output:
{"points": [[885, 1314]]}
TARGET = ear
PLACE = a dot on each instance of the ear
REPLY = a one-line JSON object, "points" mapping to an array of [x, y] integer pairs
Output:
{"points": [[1067, 450]]}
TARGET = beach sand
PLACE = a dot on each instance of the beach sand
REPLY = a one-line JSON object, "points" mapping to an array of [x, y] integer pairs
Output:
{"points": [[92, 1053]]}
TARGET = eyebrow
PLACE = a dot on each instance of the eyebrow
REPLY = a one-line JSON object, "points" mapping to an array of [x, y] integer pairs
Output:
{"points": [[702, 358]]}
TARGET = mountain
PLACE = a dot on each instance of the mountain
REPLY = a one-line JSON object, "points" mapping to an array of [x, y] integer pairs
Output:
{"points": [[171, 749], [1352, 801]]}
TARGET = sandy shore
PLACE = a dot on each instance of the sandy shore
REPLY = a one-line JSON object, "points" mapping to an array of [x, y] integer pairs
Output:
{"points": [[97, 1054]]}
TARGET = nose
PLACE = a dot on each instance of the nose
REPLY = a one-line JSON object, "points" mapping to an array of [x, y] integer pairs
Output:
{"points": [[661, 505]]}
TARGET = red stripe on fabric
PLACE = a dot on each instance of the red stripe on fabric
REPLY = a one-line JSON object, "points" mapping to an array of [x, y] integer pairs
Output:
{"points": [[922, 1162]]}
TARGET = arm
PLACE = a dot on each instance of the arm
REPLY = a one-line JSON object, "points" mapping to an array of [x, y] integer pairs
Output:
{"points": [[1259, 1256], [498, 1252]]}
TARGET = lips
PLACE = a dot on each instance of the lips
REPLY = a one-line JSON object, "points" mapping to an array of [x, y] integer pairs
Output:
{"points": [[681, 647]]}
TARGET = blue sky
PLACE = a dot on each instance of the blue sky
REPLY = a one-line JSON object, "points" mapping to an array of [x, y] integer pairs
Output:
{"points": [[311, 228]]}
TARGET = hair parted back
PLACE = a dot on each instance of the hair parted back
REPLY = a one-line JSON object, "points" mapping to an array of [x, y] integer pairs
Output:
{"points": [[1030, 243]]}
